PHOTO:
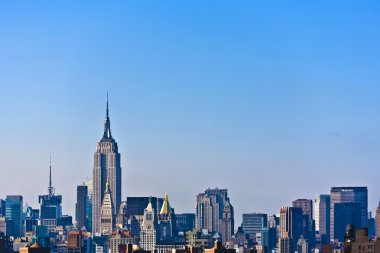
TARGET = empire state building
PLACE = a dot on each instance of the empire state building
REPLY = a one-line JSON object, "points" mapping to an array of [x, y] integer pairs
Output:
{"points": [[106, 167]]}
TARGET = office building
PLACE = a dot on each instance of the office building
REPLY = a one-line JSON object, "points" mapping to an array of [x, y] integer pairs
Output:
{"points": [[81, 206], [344, 215], [209, 209], [89, 184], [308, 225], [165, 222], [50, 206], [228, 224], [185, 222], [344, 195], [254, 223], [148, 236], [322, 217], [106, 166], [13, 213]]}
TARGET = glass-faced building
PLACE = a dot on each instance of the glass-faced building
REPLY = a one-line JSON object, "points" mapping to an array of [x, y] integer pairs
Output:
{"points": [[346, 195]]}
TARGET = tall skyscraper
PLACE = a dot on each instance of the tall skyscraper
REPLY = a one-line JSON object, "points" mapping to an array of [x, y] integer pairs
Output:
{"points": [[81, 206], [322, 217], [210, 208], [13, 212], [51, 207], [254, 223], [346, 195], [377, 220], [106, 165]]}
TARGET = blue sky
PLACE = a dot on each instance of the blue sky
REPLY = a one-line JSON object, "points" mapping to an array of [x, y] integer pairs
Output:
{"points": [[274, 100]]}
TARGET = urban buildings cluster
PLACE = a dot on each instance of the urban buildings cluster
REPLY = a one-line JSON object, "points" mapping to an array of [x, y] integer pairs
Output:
{"points": [[103, 222]]}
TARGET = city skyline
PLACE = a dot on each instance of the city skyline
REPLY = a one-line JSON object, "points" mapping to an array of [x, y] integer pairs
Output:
{"points": [[258, 96]]}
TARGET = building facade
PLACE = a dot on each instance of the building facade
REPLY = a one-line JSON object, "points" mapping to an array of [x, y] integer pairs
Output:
{"points": [[50, 207], [107, 212], [348, 194], [106, 166], [228, 224], [148, 236], [209, 209], [254, 223], [377, 222], [13, 213], [322, 217], [81, 206]]}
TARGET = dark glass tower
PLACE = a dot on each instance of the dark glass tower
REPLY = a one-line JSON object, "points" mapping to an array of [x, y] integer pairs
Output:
{"points": [[106, 165], [81, 206], [51, 207], [13, 212]]}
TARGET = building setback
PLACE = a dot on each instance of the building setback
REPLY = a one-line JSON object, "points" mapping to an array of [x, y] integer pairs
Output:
{"points": [[106, 166]]}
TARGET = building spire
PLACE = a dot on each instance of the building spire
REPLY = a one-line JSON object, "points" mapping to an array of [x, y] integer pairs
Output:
{"points": [[51, 188], [107, 124]]}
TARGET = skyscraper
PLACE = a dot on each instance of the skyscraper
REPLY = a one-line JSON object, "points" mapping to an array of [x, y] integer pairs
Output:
{"points": [[291, 224], [345, 214], [51, 209], [13, 212], [107, 212], [322, 217], [81, 206], [227, 224], [308, 225], [89, 184], [254, 223], [345, 195], [148, 236], [106, 165], [165, 222], [210, 208], [377, 220]]}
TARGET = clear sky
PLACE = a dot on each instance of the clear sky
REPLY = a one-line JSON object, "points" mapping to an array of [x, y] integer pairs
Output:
{"points": [[274, 100]]}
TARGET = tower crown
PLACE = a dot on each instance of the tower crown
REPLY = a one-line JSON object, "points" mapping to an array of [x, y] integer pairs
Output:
{"points": [[107, 124], [165, 206]]}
